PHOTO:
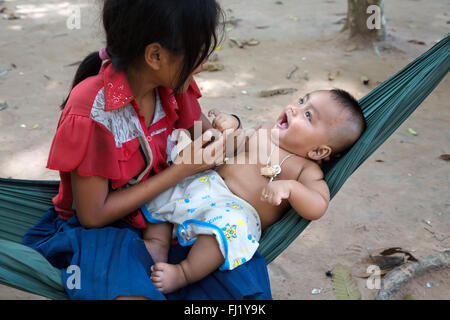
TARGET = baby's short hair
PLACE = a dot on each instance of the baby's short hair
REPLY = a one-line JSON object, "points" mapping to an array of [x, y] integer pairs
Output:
{"points": [[348, 132]]}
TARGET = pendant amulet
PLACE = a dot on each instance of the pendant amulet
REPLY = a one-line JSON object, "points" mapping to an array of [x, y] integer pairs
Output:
{"points": [[268, 172]]}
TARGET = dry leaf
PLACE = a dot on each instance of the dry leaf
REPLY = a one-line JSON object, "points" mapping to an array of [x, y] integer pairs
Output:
{"points": [[252, 42], [391, 251], [289, 75], [344, 286], [386, 259], [365, 275], [232, 21], [12, 16], [364, 80], [334, 75], [241, 44], [3, 105], [417, 42], [389, 258], [237, 42], [269, 93], [386, 264], [351, 47], [212, 66]]}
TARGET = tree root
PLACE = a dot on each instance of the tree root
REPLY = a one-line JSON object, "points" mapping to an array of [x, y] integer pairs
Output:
{"points": [[402, 274]]}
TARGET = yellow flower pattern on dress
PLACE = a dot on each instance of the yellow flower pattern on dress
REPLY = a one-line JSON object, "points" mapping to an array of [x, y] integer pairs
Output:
{"points": [[203, 202], [235, 205], [238, 262], [229, 231]]}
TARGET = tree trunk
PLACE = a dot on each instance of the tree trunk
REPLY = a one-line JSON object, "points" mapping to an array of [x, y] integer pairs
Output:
{"points": [[366, 18]]}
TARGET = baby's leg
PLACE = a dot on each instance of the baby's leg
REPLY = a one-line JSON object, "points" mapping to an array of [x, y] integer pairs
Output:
{"points": [[204, 258], [157, 238]]}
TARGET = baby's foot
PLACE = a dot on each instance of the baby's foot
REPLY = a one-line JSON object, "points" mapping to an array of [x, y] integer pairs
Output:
{"points": [[158, 249], [168, 278]]}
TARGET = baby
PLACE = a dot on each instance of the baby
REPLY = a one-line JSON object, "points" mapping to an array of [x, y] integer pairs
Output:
{"points": [[223, 212]]}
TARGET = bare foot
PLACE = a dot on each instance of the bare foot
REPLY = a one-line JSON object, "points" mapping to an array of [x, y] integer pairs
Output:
{"points": [[158, 249], [168, 278]]}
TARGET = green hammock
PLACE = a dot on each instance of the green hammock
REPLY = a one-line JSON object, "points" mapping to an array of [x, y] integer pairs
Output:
{"points": [[23, 202]]}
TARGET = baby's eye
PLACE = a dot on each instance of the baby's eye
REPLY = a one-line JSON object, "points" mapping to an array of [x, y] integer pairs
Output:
{"points": [[300, 101], [308, 115]]}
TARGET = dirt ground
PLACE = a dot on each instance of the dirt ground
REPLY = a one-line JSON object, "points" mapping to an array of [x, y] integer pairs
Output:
{"points": [[401, 202]]}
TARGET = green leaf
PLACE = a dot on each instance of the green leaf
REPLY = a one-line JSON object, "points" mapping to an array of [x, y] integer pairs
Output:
{"points": [[411, 131], [351, 47], [344, 286]]}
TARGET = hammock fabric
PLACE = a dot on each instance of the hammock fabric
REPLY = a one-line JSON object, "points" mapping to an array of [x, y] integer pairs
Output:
{"points": [[24, 202]]}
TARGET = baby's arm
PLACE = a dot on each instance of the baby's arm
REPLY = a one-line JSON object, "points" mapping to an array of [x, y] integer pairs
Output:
{"points": [[223, 121], [309, 195]]}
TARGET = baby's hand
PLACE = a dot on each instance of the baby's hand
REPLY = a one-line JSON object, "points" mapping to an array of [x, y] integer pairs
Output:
{"points": [[223, 121], [276, 191]]}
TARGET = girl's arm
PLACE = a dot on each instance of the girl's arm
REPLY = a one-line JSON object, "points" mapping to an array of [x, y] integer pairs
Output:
{"points": [[206, 125], [97, 207]]}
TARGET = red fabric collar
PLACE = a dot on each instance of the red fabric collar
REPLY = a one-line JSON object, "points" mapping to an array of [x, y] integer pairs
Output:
{"points": [[118, 92], [169, 103]]}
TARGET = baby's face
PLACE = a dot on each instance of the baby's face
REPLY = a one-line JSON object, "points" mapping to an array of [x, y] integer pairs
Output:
{"points": [[306, 124]]}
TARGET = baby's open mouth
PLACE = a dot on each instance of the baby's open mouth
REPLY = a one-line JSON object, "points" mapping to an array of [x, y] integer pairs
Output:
{"points": [[283, 123]]}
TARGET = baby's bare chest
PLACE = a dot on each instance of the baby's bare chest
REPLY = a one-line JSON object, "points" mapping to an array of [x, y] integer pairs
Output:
{"points": [[246, 179]]}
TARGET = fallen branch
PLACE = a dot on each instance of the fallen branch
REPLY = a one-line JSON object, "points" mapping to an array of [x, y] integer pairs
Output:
{"points": [[402, 274]]}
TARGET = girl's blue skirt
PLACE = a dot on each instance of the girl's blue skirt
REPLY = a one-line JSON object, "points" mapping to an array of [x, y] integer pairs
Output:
{"points": [[113, 261]]}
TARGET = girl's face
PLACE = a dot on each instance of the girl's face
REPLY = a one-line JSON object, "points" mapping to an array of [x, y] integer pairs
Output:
{"points": [[191, 77], [171, 69]]}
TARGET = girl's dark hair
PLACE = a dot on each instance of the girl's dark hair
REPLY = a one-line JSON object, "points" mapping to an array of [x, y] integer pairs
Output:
{"points": [[187, 28]]}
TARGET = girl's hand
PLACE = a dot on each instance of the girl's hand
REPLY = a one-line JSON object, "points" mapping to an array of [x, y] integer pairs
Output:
{"points": [[223, 121], [202, 154], [276, 191]]}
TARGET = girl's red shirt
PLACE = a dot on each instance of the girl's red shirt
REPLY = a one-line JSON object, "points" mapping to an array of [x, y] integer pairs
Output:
{"points": [[102, 132]]}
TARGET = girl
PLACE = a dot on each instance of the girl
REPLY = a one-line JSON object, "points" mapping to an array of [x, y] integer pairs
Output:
{"points": [[113, 145]]}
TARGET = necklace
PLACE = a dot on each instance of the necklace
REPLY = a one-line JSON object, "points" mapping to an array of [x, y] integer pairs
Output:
{"points": [[272, 172]]}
